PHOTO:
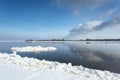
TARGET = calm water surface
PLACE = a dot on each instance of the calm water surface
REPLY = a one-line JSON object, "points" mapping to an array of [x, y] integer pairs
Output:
{"points": [[96, 55]]}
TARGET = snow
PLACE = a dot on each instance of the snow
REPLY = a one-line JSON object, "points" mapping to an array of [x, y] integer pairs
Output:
{"points": [[15, 67], [32, 49]]}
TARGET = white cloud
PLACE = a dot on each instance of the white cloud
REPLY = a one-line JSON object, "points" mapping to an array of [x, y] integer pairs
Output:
{"points": [[86, 27], [96, 29], [113, 23]]}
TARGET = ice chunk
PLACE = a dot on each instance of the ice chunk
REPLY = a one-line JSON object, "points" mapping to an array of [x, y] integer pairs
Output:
{"points": [[33, 49]]}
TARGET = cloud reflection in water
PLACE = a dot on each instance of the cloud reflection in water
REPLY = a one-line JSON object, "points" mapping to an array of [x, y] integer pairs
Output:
{"points": [[97, 55]]}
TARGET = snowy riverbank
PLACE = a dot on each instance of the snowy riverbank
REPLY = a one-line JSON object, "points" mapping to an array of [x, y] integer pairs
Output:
{"points": [[15, 67]]}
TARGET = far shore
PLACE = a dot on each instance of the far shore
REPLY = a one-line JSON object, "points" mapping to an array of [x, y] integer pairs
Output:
{"points": [[30, 40]]}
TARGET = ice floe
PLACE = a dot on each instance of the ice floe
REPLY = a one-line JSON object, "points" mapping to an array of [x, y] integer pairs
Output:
{"points": [[33, 49]]}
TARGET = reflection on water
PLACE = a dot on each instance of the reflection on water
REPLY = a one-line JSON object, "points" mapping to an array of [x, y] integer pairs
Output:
{"points": [[96, 55]]}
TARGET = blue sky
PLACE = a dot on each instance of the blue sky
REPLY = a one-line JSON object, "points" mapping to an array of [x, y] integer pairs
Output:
{"points": [[47, 19]]}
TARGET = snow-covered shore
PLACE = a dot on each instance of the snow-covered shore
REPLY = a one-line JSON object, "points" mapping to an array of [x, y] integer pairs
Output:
{"points": [[15, 67]]}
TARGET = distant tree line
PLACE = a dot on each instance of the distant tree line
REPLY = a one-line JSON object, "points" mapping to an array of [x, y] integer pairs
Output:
{"points": [[102, 39], [31, 40]]}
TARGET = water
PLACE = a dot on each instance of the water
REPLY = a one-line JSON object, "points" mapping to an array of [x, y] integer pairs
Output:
{"points": [[95, 55]]}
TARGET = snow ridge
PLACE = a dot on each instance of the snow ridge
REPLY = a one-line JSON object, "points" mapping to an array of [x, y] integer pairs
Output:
{"points": [[80, 71]]}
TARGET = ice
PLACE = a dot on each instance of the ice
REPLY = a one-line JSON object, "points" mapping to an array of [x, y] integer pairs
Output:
{"points": [[15, 67], [32, 49]]}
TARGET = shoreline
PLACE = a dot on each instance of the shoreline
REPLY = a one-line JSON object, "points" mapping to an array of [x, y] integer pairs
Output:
{"points": [[76, 72]]}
